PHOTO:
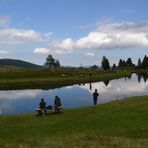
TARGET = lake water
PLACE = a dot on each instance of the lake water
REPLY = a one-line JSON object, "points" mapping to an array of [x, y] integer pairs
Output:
{"points": [[25, 101]]}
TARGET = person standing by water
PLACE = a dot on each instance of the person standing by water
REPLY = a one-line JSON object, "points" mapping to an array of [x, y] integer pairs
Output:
{"points": [[95, 97]]}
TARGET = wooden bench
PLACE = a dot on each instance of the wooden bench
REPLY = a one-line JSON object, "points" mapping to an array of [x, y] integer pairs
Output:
{"points": [[43, 111], [58, 109], [48, 110]]}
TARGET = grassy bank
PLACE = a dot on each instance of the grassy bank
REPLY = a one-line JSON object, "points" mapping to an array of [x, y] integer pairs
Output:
{"points": [[116, 124], [44, 78]]}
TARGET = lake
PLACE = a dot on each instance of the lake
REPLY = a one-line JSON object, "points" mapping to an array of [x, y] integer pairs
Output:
{"points": [[25, 101]]}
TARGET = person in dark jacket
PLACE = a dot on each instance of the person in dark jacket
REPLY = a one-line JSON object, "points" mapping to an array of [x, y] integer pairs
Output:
{"points": [[57, 104], [95, 97]]}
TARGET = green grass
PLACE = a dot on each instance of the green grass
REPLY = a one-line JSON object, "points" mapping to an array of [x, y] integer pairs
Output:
{"points": [[45, 78], [117, 124]]}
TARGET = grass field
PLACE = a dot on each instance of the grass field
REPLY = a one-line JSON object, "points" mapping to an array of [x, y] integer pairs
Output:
{"points": [[44, 78], [117, 124]]}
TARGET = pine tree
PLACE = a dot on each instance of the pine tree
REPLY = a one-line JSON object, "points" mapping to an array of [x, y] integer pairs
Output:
{"points": [[105, 63], [114, 66], [145, 62], [129, 62], [51, 62], [120, 63], [139, 63]]}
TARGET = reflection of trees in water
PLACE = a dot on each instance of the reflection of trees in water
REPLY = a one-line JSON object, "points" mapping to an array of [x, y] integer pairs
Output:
{"points": [[144, 76], [129, 76], [90, 86], [82, 84], [106, 82], [139, 78]]}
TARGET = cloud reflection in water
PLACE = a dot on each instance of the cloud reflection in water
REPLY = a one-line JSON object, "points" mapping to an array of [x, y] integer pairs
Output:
{"points": [[119, 89], [24, 101]]}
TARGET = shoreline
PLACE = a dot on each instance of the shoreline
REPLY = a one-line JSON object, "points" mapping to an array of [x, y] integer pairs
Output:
{"points": [[55, 82], [122, 122], [82, 107]]}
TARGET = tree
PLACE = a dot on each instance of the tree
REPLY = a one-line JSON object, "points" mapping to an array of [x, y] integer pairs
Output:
{"points": [[129, 62], [114, 66], [57, 63], [51, 62], [120, 63], [139, 63], [95, 66], [105, 63], [145, 62], [123, 63]]}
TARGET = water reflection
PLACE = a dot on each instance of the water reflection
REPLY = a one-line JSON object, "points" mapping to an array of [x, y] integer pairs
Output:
{"points": [[106, 82], [129, 76], [144, 76], [90, 86], [24, 101], [139, 78]]}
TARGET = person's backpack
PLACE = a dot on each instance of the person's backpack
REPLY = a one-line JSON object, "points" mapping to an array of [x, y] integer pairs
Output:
{"points": [[49, 107]]}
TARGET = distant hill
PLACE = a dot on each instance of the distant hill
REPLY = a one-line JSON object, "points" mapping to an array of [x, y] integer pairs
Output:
{"points": [[17, 63]]}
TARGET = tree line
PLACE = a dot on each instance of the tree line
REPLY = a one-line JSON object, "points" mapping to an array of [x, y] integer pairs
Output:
{"points": [[125, 63]]}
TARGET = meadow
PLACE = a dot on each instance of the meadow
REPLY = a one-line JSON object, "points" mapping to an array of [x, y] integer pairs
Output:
{"points": [[117, 124], [19, 78]]}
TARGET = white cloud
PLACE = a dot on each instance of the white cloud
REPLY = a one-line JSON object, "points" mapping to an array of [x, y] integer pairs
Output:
{"points": [[13, 95], [116, 35], [53, 50], [93, 40], [90, 54], [64, 47], [19, 36], [15, 36], [109, 35], [3, 52], [41, 50], [66, 44]]}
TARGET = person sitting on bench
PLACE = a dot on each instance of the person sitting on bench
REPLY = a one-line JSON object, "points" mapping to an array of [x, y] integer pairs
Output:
{"points": [[42, 105], [57, 104]]}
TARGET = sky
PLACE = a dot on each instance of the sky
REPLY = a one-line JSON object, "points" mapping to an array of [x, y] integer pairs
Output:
{"points": [[76, 32]]}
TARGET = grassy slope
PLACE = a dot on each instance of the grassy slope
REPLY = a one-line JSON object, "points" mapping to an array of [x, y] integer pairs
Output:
{"points": [[44, 78], [116, 124]]}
